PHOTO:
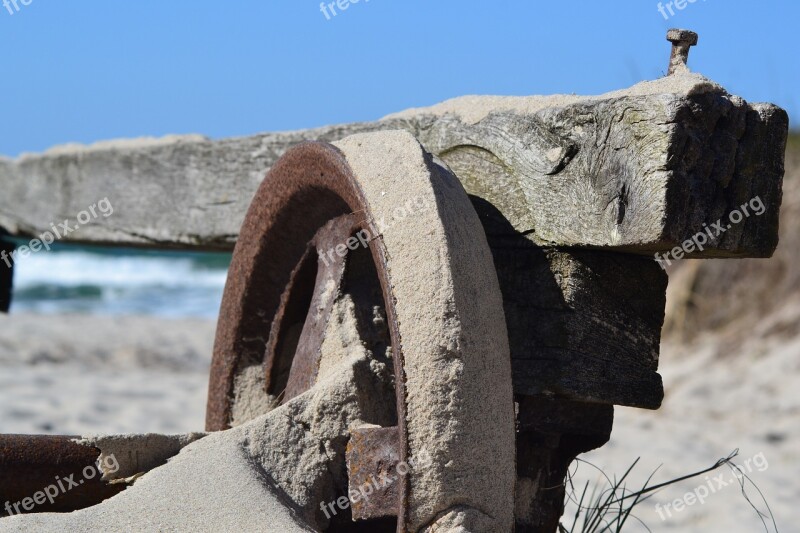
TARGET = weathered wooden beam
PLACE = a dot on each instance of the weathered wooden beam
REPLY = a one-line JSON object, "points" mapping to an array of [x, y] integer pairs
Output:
{"points": [[640, 171], [179, 191], [583, 324]]}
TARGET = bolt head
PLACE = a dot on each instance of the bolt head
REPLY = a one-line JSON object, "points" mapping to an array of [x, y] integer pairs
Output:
{"points": [[677, 36]]}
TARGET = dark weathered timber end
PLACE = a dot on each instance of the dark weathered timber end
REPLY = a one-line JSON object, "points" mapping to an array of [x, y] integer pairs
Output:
{"points": [[551, 434], [725, 153], [6, 274]]}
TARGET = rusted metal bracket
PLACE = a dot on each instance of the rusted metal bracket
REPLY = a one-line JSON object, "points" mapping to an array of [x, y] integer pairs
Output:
{"points": [[40, 473], [373, 460]]}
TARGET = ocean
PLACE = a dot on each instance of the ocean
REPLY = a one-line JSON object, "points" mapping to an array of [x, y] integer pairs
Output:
{"points": [[113, 281]]}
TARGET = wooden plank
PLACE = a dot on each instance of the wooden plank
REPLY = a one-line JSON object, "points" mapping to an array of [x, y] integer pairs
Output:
{"points": [[638, 174], [175, 192], [637, 171]]}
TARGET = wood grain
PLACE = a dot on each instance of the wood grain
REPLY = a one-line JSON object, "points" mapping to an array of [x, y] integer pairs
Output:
{"points": [[639, 174]]}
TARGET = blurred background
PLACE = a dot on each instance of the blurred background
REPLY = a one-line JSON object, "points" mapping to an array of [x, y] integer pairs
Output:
{"points": [[120, 340]]}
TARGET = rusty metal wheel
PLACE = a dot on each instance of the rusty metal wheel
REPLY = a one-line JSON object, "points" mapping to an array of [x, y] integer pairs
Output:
{"points": [[374, 222], [280, 270]]}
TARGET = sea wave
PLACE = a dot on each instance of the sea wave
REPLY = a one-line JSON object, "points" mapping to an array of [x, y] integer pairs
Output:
{"points": [[97, 281]]}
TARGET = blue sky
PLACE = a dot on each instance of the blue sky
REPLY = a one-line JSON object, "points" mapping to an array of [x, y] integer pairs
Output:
{"points": [[83, 71]]}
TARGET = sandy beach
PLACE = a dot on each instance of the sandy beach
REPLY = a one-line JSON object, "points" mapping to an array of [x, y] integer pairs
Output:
{"points": [[79, 374], [138, 374]]}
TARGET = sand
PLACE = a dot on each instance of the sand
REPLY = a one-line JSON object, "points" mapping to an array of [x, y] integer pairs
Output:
{"points": [[75, 375], [713, 406], [473, 108]]}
